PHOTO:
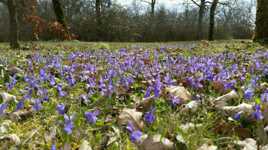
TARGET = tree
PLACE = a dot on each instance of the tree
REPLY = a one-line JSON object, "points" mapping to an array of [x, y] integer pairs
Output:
{"points": [[61, 30], [152, 4], [128, 22], [99, 9], [59, 13], [212, 19], [98, 18], [29, 20], [201, 13], [153, 7], [212, 13], [13, 23], [261, 32]]}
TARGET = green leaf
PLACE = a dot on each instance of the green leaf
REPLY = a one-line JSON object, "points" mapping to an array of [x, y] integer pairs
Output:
{"points": [[258, 100]]}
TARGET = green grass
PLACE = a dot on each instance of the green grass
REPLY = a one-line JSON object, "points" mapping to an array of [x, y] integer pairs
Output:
{"points": [[73, 45], [186, 48], [168, 120]]}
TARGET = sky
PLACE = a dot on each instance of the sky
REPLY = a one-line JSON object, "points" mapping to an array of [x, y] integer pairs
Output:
{"points": [[166, 3], [173, 5]]}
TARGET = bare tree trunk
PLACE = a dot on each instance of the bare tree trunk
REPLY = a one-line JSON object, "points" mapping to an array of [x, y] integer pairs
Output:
{"points": [[13, 23], [261, 31], [212, 20], [59, 13], [153, 7], [98, 19], [202, 8]]}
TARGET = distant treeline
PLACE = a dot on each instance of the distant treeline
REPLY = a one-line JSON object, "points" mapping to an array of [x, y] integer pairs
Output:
{"points": [[136, 22]]}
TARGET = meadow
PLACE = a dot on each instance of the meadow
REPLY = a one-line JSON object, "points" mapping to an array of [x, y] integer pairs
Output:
{"points": [[126, 96]]}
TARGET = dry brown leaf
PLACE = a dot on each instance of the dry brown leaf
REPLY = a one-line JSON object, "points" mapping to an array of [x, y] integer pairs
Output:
{"points": [[192, 106], [265, 147], [222, 100], [146, 104], [131, 115], [246, 109], [188, 126], [85, 145], [247, 144], [12, 138], [156, 142], [5, 125], [7, 97], [21, 115], [180, 92], [207, 146], [228, 129], [218, 86]]}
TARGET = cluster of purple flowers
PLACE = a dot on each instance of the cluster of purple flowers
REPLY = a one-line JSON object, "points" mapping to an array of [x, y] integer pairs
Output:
{"points": [[68, 124], [60, 90], [106, 73], [264, 97], [61, 109], [2, 108], [12, 83], [248, 94], [258, 114], [37, 105], [91, 117], [149, 116], [135, 135]]}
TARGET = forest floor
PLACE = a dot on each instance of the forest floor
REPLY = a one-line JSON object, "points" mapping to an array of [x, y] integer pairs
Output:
{"points": [[149, 96], [72, 45]]}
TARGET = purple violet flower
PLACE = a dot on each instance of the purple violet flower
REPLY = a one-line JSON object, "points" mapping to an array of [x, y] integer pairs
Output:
{"points": [[135, 136], [53, 147], [68, 124], [52, 80], [60, 91], [258, 114], [91, 117], [12, 83], [149, 117], [148, 92], [42, 74], [61, 109], [237, 116], [3, 107], [157, 87], [168, 80], [130, 127], [175, 100], [248, 94], [37, 105], [264, 97], [20, 105], [71, 81]]}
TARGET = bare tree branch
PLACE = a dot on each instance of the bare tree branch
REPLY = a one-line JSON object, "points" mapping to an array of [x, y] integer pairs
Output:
{"points": [[152, 3], [195, 3], [223, 3], [145, 1]]}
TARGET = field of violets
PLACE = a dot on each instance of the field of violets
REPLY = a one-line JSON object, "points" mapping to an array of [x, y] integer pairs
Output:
{"points": [[161, 98]]}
